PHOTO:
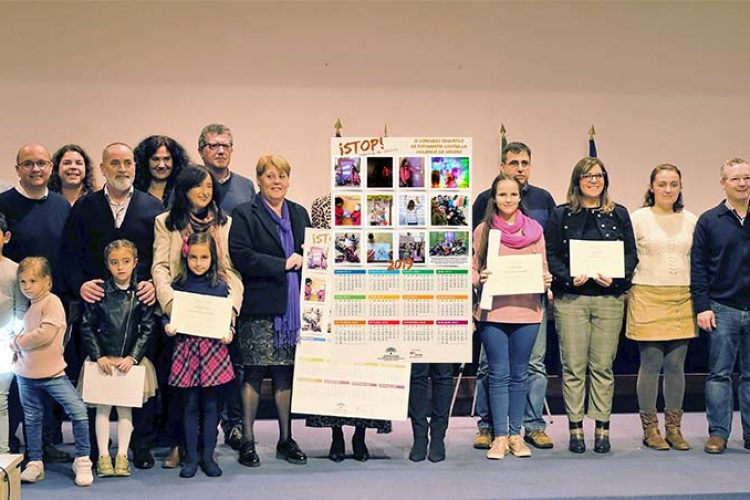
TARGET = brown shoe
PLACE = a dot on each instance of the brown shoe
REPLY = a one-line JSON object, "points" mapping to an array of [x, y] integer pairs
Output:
{"points": [[538, 439], [172, 460], [672, 422], [651, 436], [483, 439], [715, 445]]}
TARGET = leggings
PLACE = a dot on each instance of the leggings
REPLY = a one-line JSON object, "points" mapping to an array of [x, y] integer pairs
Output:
{"points": [[669, 354], [201, 405]]}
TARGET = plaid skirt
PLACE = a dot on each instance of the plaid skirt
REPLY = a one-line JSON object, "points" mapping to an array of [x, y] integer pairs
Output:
{"points": [[200, 362]]}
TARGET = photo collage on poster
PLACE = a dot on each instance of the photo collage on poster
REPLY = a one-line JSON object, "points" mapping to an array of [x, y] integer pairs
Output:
{"points": [[401, 225]]}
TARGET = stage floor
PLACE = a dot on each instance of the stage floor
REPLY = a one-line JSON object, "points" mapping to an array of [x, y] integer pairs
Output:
{"points": [[629, 471]]}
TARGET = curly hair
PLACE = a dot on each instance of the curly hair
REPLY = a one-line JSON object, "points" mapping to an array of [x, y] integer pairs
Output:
{"points": [[55, 183], [143, 153]]}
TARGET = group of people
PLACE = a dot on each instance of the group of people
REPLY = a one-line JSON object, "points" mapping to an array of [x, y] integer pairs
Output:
{"points": [[681, 273], [98, 269]]}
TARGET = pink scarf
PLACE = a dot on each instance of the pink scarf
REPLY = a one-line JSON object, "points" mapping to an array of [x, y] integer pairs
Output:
{"points": [[521, 233]]}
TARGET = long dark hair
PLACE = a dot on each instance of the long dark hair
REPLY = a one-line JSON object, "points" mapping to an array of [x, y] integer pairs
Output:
{"points": [[55, 183], [143, 153], [649, 200], [192, 176], [575, 196], [215, 273], [490, 211]]}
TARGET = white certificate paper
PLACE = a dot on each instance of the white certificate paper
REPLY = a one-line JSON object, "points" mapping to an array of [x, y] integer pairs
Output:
{"points": [[597, 257], [201, 315], [513, 275], [118, 389]]}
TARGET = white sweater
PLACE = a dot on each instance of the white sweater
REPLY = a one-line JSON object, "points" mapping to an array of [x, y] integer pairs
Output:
{"points": [[663, 243]]}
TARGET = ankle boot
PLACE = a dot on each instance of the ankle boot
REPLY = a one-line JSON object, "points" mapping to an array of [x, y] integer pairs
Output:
{"points": [[672, 422], [601, 437], [361, 453], [338, 447], [577, 444], [437, 441], [651, 436]]}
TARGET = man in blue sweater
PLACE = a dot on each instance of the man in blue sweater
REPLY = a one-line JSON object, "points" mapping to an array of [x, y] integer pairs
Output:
{"points": [[720, 286], [538, 204]]}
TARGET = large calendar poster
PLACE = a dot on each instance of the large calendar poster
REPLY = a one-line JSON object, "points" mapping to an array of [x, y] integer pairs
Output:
{"points": [[401, 280]]}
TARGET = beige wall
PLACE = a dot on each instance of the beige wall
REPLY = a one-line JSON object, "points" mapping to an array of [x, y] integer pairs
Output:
{"points": [[663, 82]]}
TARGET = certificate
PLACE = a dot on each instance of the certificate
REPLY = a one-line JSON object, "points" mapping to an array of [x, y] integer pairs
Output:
{"points": [[201, 315], [510, 274], [597, 257], [118, 389]]}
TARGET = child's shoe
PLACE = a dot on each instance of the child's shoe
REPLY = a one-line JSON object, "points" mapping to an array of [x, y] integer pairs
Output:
{"points": [[188, 470], [33, 472], [122, 466], [104, 467], [82, 469], [210, 468]]}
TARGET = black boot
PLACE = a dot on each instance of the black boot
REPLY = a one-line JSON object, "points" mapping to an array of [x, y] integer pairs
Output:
{"points": [[338, 447], [577, 444], [437, 440], [361, 453], [601, 437]]}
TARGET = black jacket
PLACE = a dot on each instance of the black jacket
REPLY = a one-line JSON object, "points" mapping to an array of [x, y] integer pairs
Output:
{"points": [[564, 225], [256, 251], [118, 325]]}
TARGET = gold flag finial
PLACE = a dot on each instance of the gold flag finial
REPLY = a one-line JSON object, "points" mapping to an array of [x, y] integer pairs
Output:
{"points": [[385, 130], [592, 132], [502, 130], [338, 126]]}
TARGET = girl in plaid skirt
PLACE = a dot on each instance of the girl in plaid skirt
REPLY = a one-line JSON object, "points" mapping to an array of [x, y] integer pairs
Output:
{"points": [[200, 366]]}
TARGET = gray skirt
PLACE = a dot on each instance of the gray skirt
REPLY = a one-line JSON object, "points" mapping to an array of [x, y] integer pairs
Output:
{"points": [[256, 343]]}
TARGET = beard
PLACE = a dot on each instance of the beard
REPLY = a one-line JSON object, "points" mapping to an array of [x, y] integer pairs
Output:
{"points": [[120, 183]]}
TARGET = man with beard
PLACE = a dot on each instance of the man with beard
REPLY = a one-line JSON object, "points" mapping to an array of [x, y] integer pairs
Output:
{"points": [[118, 211], [35, 218]]}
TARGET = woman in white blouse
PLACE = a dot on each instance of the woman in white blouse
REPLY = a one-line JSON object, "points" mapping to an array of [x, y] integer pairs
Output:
{"points": [[660, 311]]}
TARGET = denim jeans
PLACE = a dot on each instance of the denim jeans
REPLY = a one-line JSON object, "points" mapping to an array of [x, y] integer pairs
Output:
{"points": [[732, 335], [61, 390], [508, 347], [533, 419]]}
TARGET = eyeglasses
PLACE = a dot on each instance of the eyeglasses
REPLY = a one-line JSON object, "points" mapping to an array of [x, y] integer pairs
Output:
{"points": [[214, 146], [29, 164], [592, 177]]}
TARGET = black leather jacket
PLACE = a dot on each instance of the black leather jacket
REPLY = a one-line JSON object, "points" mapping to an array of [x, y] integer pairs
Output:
{"points": [[118, 325]]}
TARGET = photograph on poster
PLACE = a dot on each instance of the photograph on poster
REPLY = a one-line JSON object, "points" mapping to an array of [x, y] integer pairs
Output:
{"points": [[379, 172], [411, 245], [411, 209], [348, 210], [346, 172], [347, 248], [450, 172], [379, 247], [317, 258], [380, 209], [315, 289], [449, 243], [449, 209], [411, 172], [312, 319]]}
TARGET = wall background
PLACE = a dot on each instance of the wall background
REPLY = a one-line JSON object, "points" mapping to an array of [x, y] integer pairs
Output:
{"points": [[662, 81]]}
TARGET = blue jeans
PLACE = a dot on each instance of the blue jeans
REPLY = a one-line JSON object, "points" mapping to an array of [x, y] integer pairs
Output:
{"points": [[732, 335], [508, 347], [61, 390], [533, 419]]}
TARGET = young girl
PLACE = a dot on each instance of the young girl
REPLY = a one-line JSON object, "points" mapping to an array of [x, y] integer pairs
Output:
{"points": [[116, 332], [508, 330], [200, 366], [40, 368]]}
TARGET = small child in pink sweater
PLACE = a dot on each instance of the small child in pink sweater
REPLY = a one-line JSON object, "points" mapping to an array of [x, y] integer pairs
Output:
{"points": [[40, 368]]}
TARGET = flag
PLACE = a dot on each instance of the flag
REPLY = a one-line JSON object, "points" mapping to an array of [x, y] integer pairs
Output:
{"points": [[503, 143], [592, 143]]}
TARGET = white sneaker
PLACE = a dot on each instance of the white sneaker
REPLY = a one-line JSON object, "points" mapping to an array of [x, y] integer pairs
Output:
{"points": [[82, 469], [33, 472]]}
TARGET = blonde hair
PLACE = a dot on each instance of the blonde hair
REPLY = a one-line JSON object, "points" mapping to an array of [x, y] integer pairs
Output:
{"points": [[277, 161], [730, 163], [39, 266]]}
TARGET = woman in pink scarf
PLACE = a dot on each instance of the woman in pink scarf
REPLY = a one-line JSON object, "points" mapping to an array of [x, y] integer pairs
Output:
{"points": [[509, 328]]}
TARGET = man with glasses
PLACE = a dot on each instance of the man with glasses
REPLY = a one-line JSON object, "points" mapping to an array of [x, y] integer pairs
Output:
{"points": [[215, 145], [538, 204], [36, 217], [720, 286]]}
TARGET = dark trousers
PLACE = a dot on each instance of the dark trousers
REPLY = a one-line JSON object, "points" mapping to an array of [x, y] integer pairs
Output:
{"points": [[201, 406], [441, 375]]}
